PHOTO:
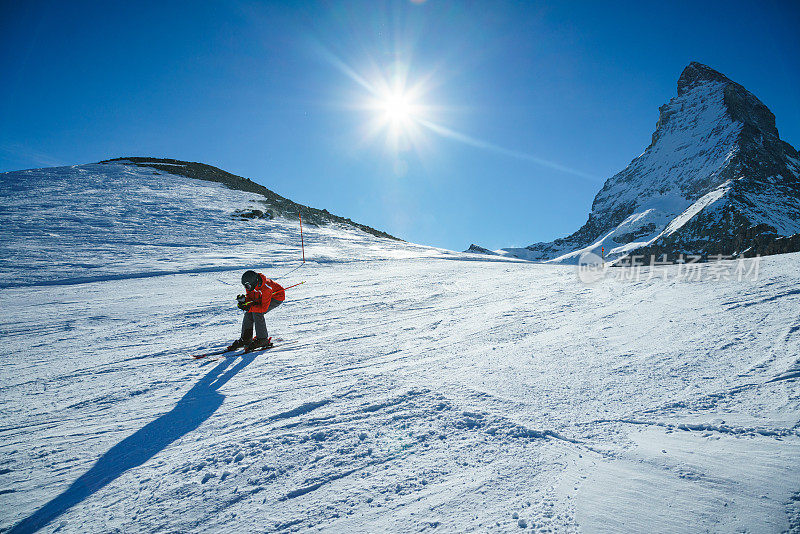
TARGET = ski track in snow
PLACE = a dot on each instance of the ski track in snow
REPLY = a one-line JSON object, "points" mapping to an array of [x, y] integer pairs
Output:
{"points": [[417, 390]]}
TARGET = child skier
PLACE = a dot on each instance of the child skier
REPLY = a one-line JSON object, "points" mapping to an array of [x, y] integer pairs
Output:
{"points": [[262, 296]]}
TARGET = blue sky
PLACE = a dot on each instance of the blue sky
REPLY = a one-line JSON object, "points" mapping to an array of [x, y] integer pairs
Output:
{"points": [[520, 109]]}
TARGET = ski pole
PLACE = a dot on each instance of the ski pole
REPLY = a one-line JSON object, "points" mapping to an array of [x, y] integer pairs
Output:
{"points": [[290, 287], [273, 292], [285, 288]]}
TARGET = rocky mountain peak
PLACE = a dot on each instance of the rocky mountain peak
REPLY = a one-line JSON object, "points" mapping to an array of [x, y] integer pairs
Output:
{"points": [[696, 73], [741, 104], [715, 179]]}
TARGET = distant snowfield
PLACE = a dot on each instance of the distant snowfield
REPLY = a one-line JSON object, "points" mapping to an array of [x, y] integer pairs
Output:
{"points": [[415, 389]]}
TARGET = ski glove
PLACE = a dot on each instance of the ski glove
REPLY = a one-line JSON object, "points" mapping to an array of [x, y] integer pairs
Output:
{"points": [[242, 303]]}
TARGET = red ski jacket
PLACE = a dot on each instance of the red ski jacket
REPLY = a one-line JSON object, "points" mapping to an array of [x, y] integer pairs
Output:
{"points": [[264, 293]]}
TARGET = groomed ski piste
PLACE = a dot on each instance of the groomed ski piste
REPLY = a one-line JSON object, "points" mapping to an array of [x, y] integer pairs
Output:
{"points": [[417, 389]]}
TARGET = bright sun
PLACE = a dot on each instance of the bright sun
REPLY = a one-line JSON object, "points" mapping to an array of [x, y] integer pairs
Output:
{"points": [[397, 115], [398, 109]]}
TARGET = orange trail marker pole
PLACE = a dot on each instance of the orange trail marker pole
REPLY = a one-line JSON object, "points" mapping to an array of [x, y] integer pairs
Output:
{"points": [[302, 245]]}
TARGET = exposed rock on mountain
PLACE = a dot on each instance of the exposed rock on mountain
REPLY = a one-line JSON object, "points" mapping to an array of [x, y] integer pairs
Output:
{"points": [[475, 249]]}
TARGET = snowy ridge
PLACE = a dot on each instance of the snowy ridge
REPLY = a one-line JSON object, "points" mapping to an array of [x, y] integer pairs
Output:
{"points": [[703, 202], [272, 204], [714, 170], [119, 221]]}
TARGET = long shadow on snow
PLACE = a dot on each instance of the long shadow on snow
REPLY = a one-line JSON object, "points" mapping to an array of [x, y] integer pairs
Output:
{"points": [[190, 412]]}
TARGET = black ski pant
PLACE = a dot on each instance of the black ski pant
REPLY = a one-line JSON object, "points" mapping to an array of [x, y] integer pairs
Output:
{"points": [[257, 319]]}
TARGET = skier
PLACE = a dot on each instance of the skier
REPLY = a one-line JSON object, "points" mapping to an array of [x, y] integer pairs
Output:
{"points": [[262, 296]]}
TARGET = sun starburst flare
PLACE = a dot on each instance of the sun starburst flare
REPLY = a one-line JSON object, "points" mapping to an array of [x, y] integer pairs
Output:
{"points": [[399, 115], [396, 115]]}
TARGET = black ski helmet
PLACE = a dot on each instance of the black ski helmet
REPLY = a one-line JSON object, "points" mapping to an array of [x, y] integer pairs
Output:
{"points": [[250, 280]]}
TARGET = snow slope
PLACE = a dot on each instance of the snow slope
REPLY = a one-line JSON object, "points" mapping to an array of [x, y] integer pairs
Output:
{"points": [[415, 389]]}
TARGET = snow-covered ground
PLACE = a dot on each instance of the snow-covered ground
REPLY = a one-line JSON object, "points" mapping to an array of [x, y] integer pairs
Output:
{"points": [[414, 389]]}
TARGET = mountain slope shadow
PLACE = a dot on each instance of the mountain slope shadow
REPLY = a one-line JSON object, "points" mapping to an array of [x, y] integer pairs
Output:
{"points": [[190, 412]]}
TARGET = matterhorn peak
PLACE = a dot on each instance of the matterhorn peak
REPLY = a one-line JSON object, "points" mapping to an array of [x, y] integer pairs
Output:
{"points": [[715, 180], [696, 73]]}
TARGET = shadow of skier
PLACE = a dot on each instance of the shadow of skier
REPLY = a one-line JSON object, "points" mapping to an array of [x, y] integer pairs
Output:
{"points": [[190, 412]]}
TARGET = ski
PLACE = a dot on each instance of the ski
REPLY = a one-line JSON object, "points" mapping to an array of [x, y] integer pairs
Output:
{"points": [[238, 352], [279, 345], [207, 354], [232, 354]]}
